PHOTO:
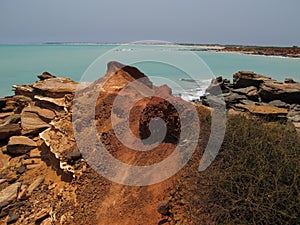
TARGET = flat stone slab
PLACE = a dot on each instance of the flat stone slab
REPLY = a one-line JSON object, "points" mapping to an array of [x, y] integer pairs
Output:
{"points": [[20, 145], [9, 194], [263, 110]]}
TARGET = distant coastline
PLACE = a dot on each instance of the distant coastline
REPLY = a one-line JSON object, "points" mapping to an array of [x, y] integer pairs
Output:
{"points": [[293, 52]]}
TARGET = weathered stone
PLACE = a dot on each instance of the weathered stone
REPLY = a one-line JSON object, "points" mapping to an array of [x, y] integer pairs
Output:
{"points": [[251, 92], [289, 81], [4, 161], [248, 102], [45, 76], [9, 194], [22, 192], [244, 79], [234, 98], [32, 161], [294, 116], [35, 153], [32, 123], [21, 169], [13, 218], [279, 104], [25, 90], [55, 87], [164, 208], [20, 145], [286, 92], [34, 186], [45, 114], [6, 114], [33, 166], [8, 129], [57, 104], [263, 110], [218, 86]]}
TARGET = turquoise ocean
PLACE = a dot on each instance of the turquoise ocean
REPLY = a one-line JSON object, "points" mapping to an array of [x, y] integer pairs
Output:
{"points": [[19, 64]]}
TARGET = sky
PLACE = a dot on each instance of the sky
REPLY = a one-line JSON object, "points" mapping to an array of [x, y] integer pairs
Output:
{"points": [[255, 22]]}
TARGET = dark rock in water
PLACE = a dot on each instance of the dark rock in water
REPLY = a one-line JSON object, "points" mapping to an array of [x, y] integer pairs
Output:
{"points": [[45, 76], [245, 79], [20, 145], [289, 81], [218, 86], [286, 92]]}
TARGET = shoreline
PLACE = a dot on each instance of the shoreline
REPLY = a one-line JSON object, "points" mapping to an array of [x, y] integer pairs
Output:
{"points": [[286, 52]]}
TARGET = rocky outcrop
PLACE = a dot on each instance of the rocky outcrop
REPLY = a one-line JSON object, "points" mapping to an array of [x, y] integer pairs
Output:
{"points": [[42, 113], [268, 51], [42, 157], [285, 92], [246, 79], [259, 95]]}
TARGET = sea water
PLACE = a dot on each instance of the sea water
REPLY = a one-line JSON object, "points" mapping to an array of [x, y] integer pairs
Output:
{"points": [[19, 64]]}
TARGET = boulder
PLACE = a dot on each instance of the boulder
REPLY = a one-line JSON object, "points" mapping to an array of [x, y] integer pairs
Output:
{"points": [[218, 86], [9, 194], [286, 92], [45, 76], [243, 79], [20, 145]]}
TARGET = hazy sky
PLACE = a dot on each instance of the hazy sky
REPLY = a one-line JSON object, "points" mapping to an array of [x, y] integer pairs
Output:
{"points": [[261, 22]]}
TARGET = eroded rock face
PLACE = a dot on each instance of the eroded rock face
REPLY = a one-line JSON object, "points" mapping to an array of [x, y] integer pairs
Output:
{"points": [[258, 95], [286, 92]]}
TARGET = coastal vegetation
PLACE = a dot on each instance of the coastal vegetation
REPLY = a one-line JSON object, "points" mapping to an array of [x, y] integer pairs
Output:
{"points": [[255, 178]]}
